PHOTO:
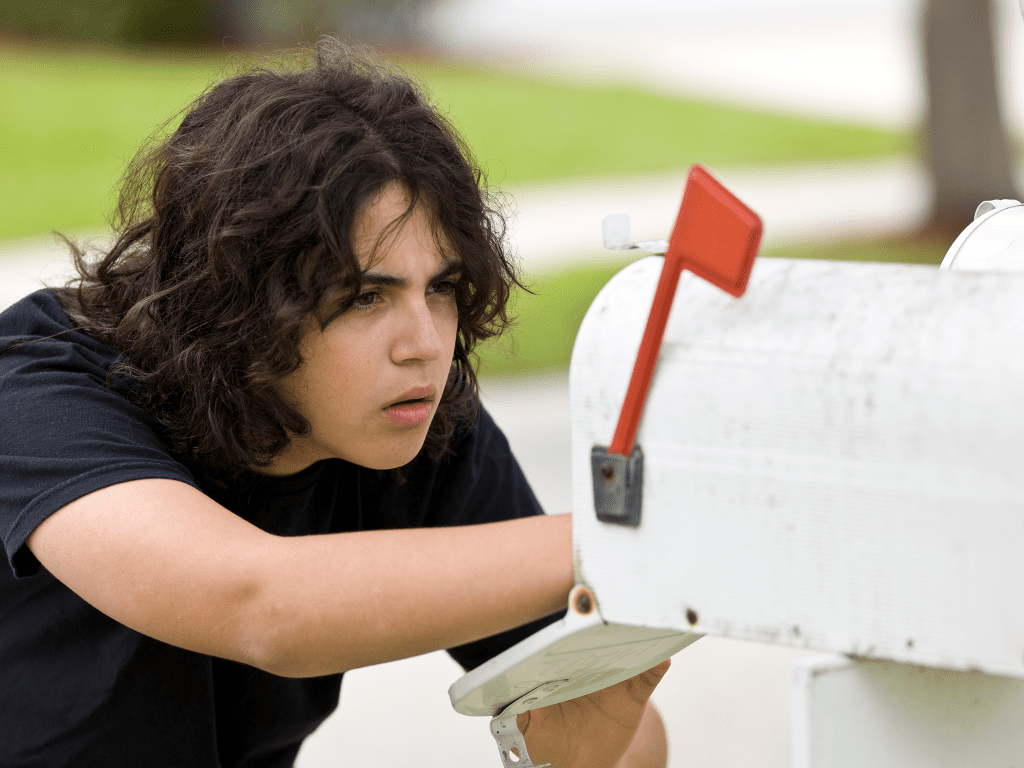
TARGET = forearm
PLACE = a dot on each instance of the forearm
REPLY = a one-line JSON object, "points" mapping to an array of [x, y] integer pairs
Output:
{"points": [[337, 602], [164, 559]]}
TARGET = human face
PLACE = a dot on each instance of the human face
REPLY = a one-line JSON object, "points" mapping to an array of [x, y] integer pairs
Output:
{"points": [[371, 380]]}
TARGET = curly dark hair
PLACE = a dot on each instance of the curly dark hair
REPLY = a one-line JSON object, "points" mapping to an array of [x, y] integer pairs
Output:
{"points": [[235, 228]]}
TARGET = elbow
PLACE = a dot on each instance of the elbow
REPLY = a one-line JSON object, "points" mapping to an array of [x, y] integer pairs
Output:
{"points": [[267, 641], [289, 661], [278, 665], [276, 640], [265, 656], [266, 628]]}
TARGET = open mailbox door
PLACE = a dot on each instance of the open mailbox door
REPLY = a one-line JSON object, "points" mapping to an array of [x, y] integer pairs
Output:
{"points": [[575, 656]]}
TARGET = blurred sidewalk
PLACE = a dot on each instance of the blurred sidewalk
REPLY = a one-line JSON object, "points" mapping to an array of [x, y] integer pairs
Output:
{"points": [[850, 60], [558, 224]]}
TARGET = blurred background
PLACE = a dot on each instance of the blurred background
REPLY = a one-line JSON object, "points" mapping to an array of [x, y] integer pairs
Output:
{"points": [[858, 129]]}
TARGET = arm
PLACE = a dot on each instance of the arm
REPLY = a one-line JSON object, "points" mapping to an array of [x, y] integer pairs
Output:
{"points": [[164, 559]]}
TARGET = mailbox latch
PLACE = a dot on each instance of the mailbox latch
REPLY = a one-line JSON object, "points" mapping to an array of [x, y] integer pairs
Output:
{"points": [[618, 485]]}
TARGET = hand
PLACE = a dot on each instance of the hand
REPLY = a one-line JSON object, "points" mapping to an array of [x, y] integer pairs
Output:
{"points": [[593, 731]]}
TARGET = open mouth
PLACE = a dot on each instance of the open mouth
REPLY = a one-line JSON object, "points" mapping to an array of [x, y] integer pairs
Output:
{"points": [[414, 396], [412, 411], [414, 401]]}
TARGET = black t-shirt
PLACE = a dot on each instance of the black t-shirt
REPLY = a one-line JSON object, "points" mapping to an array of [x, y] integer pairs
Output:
{"points": [[79, 689]]}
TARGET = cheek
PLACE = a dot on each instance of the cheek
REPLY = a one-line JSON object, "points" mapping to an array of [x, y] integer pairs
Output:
{"points": [[341, 378], [448, 323], [325, 375], [451, 333]]}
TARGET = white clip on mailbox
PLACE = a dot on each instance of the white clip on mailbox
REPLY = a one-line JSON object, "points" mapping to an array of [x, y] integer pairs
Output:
{"points": [[834, 462]]}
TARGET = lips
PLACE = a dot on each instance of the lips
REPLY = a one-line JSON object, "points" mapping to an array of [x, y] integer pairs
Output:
{"points": [[412, 408], [414, 395]]}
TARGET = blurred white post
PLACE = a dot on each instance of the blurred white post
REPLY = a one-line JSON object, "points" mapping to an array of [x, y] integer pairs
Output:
{"points": [[849, 713]]}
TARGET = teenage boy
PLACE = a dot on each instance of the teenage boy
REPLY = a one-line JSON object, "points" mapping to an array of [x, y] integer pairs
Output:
{"points": [[244, 453]]}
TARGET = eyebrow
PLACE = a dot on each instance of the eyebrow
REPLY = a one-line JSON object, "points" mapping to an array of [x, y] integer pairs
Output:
{"points": [[393, 281]]}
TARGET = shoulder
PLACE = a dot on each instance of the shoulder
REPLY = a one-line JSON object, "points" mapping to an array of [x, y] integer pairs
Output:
{"points": [[64, 432], [47, 362], [37, 328], [37, 312]]}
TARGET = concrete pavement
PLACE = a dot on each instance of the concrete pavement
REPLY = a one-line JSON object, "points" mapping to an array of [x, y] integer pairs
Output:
{"points": [[553, 225]]}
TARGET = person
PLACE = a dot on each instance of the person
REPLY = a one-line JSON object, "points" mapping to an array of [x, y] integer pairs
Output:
{"points": [[243, 452]]}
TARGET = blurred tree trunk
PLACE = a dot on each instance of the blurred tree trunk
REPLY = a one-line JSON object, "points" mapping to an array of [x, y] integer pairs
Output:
{"points": [[967, 150]]}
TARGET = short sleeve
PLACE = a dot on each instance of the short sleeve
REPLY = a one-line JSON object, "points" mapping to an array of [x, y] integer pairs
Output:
{"points": [[63, 432]]}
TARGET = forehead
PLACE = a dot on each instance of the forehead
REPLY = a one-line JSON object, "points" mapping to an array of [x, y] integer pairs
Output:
{"points": [[387, 225]]}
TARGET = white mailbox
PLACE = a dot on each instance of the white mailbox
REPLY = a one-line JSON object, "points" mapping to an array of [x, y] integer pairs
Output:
{"points": [[833, 462]]}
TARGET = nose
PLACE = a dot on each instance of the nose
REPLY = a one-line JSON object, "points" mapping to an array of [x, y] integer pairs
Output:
{"points": [[418, 337]]}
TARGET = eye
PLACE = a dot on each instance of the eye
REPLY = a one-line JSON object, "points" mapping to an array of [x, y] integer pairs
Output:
{"points": [[443, 287], [366, 299], [448, 286]]}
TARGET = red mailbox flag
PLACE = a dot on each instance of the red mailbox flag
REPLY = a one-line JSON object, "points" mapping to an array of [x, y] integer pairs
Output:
{"points": [[716, 237]]}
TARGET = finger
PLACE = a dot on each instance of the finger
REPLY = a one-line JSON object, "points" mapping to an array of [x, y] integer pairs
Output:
{"points": [[523, 721], [650, 744], [639, 688], [662, 668], [654, 675], [642, 686]]}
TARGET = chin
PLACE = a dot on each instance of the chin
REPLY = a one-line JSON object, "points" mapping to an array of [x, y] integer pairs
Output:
{"points": [[392, 456]]}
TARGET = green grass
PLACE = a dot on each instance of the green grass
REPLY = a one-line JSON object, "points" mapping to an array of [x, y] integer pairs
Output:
{"points": [[525, 129], [548, 319], [70, 122], [73, 117], [923, 249]]}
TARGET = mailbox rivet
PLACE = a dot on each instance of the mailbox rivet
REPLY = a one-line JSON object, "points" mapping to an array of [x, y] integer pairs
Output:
{"points": [[584, 603]]}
